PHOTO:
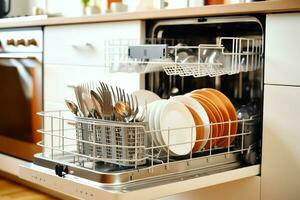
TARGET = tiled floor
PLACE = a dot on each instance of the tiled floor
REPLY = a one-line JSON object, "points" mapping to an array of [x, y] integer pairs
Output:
{"points": [[11, 190]]}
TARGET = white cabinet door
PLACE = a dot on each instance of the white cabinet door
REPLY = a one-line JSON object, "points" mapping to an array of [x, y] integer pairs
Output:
{"points": [[57, 78], [75, 54], [282, 64], [281, 143], [84, 44]]}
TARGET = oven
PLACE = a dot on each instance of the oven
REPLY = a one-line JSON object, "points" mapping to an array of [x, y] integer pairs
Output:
{"points": [[21, 61]]}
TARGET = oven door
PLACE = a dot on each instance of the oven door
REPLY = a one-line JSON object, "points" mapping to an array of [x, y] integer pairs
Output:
{"points": [[20, 100]]}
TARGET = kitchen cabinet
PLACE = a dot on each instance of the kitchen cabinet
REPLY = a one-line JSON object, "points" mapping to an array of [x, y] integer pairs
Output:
{"points": [[282, 49], [75, 54], [280, 150], [59, 77], [85, 44]]}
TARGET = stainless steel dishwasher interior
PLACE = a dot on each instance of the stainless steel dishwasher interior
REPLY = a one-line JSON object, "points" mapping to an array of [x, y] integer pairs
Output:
{"points": [[240, 87], [244, 89]]}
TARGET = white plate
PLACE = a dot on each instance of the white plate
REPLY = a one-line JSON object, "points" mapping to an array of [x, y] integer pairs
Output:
{"points": [[189, 101], [176, 118], [145, 97], [157, 121], [151, 109]]}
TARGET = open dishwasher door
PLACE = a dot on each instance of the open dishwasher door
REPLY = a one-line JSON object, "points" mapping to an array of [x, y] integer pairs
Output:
{"points": [[157, 188], [93, 159]]}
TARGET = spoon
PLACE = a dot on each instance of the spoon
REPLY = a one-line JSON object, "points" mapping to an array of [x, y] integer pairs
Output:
{"points": [[122, 110], [72, 107]]}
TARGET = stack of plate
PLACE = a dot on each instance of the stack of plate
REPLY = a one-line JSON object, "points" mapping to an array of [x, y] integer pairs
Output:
{"points": [[171, 124], [221, 111], [188, 123], [145, 97]]}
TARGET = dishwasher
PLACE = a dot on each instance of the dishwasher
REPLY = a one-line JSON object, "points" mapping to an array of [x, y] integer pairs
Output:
{"points": [[122, 160]]}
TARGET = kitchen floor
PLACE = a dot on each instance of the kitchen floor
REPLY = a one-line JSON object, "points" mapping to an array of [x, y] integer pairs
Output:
{"points": [[12, 190]]}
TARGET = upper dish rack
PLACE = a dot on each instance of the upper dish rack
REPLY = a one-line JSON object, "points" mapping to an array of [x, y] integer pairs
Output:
{"points": [[229, 55]]}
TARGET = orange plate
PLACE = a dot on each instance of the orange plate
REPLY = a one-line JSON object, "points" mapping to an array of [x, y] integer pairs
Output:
{"points": [[199, 129], [231, 112], [210, 110], [217, 112], [218, 102]]}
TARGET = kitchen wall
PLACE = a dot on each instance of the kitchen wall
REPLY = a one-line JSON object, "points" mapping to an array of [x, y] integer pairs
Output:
{"points": [[74, 7], [67, 7], [132, 4]]}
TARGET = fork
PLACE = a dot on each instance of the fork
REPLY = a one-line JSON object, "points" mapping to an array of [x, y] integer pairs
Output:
{"points": [[129, 107], [97, 101], [79, 90], [121, 108], [86, 97], [107, 106], [134, 107], [93, 112]]}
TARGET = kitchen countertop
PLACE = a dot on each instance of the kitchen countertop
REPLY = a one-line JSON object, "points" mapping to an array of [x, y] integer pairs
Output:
{"points": [[212, 10]]}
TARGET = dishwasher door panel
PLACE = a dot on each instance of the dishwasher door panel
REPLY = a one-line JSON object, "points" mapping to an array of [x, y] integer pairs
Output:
{"points": [[248, 189], [83, 188]]}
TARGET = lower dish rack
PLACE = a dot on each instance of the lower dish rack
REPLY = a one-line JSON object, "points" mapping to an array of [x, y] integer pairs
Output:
{"points": [[117, 153]]}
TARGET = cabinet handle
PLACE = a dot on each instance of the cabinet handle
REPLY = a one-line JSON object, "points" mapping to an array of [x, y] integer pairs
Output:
{"points": [[11, 42], [21, 42], [82, 45]]}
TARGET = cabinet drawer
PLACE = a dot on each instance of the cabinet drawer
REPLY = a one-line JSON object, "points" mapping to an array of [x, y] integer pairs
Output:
{"points": [[280, 149], [282, 49], [57, 78], [84, 44]]}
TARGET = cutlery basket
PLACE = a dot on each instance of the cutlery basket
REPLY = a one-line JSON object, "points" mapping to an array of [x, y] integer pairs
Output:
{"points": [[112, 142]]}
